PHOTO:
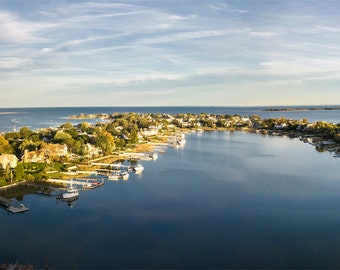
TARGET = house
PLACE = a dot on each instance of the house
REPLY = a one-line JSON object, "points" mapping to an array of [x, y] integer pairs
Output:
{"points": [[59, 150], [8, 160], [150, 131], [92, 150], [34, 156], [280, 126]]}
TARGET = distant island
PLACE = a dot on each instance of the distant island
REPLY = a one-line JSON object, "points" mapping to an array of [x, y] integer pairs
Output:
{"points": [[301, 109]]}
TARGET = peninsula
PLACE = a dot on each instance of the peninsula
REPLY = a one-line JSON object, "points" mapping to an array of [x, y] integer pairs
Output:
{"points": [[63, 151]]}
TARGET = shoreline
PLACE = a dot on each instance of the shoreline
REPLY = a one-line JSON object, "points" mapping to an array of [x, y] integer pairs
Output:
{"points": [[130, 133]]}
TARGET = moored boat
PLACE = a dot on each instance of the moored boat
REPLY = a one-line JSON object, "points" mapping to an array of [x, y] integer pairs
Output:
{"points": [[93, 185], [113, 175], [154, 156], [71, 193], [138, 168], [124, 175]]}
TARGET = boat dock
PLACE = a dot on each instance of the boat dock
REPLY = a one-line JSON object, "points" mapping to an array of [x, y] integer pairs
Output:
{"points": [[81, 182], [112, 165], [13, 208], [16, 266], [17, 208], [136, 156]]}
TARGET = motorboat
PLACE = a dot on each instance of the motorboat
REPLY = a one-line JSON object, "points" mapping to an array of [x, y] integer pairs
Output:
{"points": [[115, 175], [71, 193], [154, 156], [138, 168], [124, 175], [93, 185]]}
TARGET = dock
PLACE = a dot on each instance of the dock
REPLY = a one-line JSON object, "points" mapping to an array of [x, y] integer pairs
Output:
{"points": [[85, 183], [14, 209], [16, 266], [112, 165], [136, 156]]}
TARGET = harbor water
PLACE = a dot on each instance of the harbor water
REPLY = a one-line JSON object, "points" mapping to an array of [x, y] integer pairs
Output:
{"points": [[225, 200]]}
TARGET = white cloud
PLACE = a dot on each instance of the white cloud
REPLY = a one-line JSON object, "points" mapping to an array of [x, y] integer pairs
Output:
{"points": [[263, 34], [13, 30], [190, 35], [225, 7], [11, 63], [154, 46]]}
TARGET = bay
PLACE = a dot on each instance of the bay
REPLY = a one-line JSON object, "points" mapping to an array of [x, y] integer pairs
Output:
{"points": [[36, 118], [226, 200]]}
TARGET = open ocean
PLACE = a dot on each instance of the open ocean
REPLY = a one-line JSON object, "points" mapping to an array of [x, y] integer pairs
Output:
{"points": [[35, 118]]}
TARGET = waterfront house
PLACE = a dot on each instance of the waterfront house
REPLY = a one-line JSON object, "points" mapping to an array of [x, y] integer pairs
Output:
{"points": [[8, 160], [280, 126], [34, 156], [150, 131], [92, 150], [56, 150]]}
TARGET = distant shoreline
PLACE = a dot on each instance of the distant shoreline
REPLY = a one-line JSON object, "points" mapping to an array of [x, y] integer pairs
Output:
{"points": [[300, 109]]}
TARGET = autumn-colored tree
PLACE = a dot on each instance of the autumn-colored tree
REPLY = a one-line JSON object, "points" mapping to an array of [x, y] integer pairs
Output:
{"points": [[5, 147]]}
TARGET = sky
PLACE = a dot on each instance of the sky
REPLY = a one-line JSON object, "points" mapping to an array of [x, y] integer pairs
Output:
{"points": [[169, 53]]}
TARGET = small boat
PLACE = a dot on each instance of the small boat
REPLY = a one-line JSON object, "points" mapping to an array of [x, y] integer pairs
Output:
{"points": [[114, 175], [138, 168], [71, 193], [17, 208], [181, 142], [154, 156], [93, 185], [124, 175]]}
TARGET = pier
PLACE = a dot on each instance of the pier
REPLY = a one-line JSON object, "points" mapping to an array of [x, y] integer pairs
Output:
{"points": [[136, 156], [114, 165], [81, 182]]}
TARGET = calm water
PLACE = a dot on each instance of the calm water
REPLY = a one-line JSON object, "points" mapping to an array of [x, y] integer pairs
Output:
{"points": [[35, 118], [227, 200]]}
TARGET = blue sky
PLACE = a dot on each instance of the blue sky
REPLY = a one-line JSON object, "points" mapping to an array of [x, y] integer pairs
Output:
{"points": [[169, 52]]}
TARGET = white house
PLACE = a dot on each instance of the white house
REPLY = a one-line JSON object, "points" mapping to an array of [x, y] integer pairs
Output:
{"points": [[8, 160]]}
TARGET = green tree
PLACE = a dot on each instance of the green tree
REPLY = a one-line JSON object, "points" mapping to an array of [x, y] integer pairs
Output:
{"points": [[106, 142], [63, 137], [25, 132], [133, 138], [19, 172]]}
